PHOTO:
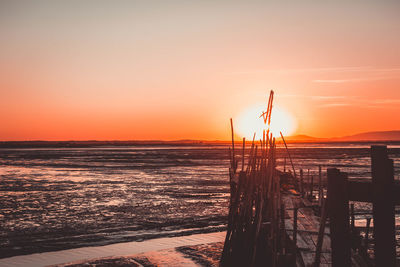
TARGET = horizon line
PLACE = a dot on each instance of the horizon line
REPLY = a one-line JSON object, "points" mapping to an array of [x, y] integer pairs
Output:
{"points": [[198, 140]]}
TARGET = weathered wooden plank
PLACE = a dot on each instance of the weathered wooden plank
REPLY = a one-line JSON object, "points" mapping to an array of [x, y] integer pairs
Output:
{"points": [[307, 231], [311, 219], [304, 241], [308, 258]]}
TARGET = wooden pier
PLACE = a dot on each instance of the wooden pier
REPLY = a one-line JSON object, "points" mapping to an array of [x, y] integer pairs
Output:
{"points": [[294, 222]]}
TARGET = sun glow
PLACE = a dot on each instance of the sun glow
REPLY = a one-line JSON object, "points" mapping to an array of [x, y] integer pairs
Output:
{"points": [[249, 122]]}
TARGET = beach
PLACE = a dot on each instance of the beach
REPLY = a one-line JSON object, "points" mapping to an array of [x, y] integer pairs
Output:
{"points": [[174, 251], [67, 201]]}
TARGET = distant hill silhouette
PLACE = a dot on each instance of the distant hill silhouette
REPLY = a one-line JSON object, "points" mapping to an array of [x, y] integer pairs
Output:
{"points": [[371, 136], [380, 136], [367, 136], [303, 138]]}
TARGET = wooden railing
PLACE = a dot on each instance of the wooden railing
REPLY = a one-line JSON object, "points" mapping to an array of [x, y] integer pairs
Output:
{"points": [[382, 192]]}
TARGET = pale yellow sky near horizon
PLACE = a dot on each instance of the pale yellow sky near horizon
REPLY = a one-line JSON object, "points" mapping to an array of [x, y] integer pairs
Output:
{"points": [[79, 70]]}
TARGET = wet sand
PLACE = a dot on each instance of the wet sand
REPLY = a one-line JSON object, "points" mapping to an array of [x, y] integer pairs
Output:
{"points": [[63, 198], [207, 255], [173, 251]]}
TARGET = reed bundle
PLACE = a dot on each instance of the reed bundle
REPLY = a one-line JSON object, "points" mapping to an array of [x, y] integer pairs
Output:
{"points": [[255, 231]]}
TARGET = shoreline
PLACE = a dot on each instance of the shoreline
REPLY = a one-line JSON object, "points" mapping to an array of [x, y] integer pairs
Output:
{"points": [[31, 144], [84, 254]]}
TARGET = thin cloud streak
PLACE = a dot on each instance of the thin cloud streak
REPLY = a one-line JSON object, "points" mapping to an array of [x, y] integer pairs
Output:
{"points": [[347, 100], [332, 101], [368, 69], [365, 103], [330, 105], [328, 97], [316, 97], [387, 101], [387, 75], [332, 81]]}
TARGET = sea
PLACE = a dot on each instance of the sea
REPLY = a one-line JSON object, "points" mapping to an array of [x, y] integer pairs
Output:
{"points": [[54, 198]]}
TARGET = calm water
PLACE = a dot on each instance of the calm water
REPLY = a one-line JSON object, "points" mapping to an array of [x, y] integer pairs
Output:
{"points": [[57, 198]]}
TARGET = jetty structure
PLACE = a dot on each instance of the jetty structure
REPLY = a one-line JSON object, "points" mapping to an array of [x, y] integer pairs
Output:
{"points": [[287, 218]]}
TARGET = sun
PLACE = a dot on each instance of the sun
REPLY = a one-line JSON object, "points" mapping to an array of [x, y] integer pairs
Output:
{"points": [[249, 122]]}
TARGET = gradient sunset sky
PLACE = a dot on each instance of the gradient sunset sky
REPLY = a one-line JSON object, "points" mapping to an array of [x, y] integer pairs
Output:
{"points": [[109, 70]]}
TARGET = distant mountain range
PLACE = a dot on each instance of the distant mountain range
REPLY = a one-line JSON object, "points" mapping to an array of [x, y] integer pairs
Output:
{"points": [[367, 136], [382, 136]]}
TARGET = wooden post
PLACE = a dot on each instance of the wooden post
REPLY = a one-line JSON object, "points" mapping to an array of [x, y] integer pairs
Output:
{"points": [[321, 234], [311, 187], [234, 165], [284, 165], [282, 231], [352, 217], [320, 192], [367, 232], [301, 182], [338, 210], [383, 207], [244, 146], [295, 226], [290, 157], [308, 180]]}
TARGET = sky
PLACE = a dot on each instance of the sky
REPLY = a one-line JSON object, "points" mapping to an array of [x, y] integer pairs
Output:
{"points": [[170, 70]]}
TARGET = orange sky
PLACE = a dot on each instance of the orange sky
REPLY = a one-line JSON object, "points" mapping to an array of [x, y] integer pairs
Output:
{"points": [[180, 69]]}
